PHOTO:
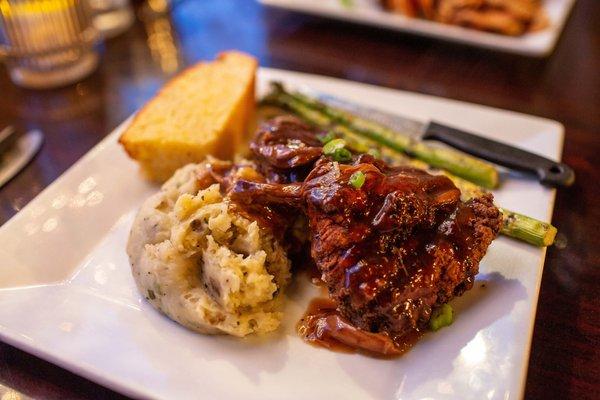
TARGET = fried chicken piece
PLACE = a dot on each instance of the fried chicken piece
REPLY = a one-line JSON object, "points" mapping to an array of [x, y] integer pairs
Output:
{"points": [[391, 250]]}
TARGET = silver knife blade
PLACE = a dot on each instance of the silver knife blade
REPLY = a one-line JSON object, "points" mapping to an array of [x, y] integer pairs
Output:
{"points": [[16, 157], [396, 122]]}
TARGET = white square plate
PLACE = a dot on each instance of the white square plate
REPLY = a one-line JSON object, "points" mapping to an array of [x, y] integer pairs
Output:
{"points": [[369, 12], [66, 293]]}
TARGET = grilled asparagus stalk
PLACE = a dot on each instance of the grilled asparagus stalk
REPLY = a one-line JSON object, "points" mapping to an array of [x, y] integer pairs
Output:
{"points": [[455, 162], [527, 229]]}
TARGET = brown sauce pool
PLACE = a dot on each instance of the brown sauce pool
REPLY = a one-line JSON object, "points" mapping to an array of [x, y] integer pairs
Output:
{"points": [[323, 326]]}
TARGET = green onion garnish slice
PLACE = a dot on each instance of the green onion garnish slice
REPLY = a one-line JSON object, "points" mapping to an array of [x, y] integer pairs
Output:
{"points": [[442, 317], [333, 145], [342, 155], [357, 179], [336, 149]]}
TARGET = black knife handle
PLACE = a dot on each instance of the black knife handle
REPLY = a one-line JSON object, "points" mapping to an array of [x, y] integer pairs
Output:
{"points": [[549, 172]]}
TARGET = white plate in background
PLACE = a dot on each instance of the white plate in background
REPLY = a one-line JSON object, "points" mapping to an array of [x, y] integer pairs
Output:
{"points": [[67, 295], [369, 12]]}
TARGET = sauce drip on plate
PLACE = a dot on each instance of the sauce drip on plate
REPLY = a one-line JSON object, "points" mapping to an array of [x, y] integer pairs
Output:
{"points": [[324, 326]]}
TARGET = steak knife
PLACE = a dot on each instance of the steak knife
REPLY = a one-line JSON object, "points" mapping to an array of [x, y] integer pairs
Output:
{"points": [[548, 172]]}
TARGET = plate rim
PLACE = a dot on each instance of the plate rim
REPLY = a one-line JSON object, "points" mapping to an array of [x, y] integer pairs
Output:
{"points": [[436, 30]]}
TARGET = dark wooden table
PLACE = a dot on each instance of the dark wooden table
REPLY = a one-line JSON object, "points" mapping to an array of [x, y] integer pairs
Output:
{"points": [[565, 357]]}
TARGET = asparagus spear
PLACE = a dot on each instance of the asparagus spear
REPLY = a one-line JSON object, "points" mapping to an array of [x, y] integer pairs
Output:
{"points": [[527, 229], [456, 162], [515, 225]]}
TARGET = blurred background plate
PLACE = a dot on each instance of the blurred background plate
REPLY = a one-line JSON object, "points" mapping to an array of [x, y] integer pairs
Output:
{"points": [[369, 12]]}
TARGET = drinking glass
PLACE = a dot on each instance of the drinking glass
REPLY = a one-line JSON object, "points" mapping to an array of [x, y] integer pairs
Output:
{"points": [[47, 43]]}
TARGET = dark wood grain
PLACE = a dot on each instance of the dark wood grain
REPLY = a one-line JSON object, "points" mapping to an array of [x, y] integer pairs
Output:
{"points": [[565, 355]]}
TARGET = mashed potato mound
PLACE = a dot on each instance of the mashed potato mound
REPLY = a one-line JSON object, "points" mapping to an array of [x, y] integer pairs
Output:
{"points": [[204, 265]]}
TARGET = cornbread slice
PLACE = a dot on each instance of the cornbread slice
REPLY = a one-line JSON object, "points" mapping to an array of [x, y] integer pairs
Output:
{"points": [[204, 110]]}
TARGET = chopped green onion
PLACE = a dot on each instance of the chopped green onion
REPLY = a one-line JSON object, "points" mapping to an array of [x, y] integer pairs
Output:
{"points": [[442, 317], [347, 3], [326, 138], [357, 179], [342, 155], [333, 145], [336, 149]]}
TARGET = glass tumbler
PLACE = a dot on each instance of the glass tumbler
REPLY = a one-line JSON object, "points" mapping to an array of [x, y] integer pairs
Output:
{"points": [[47, 43]]}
